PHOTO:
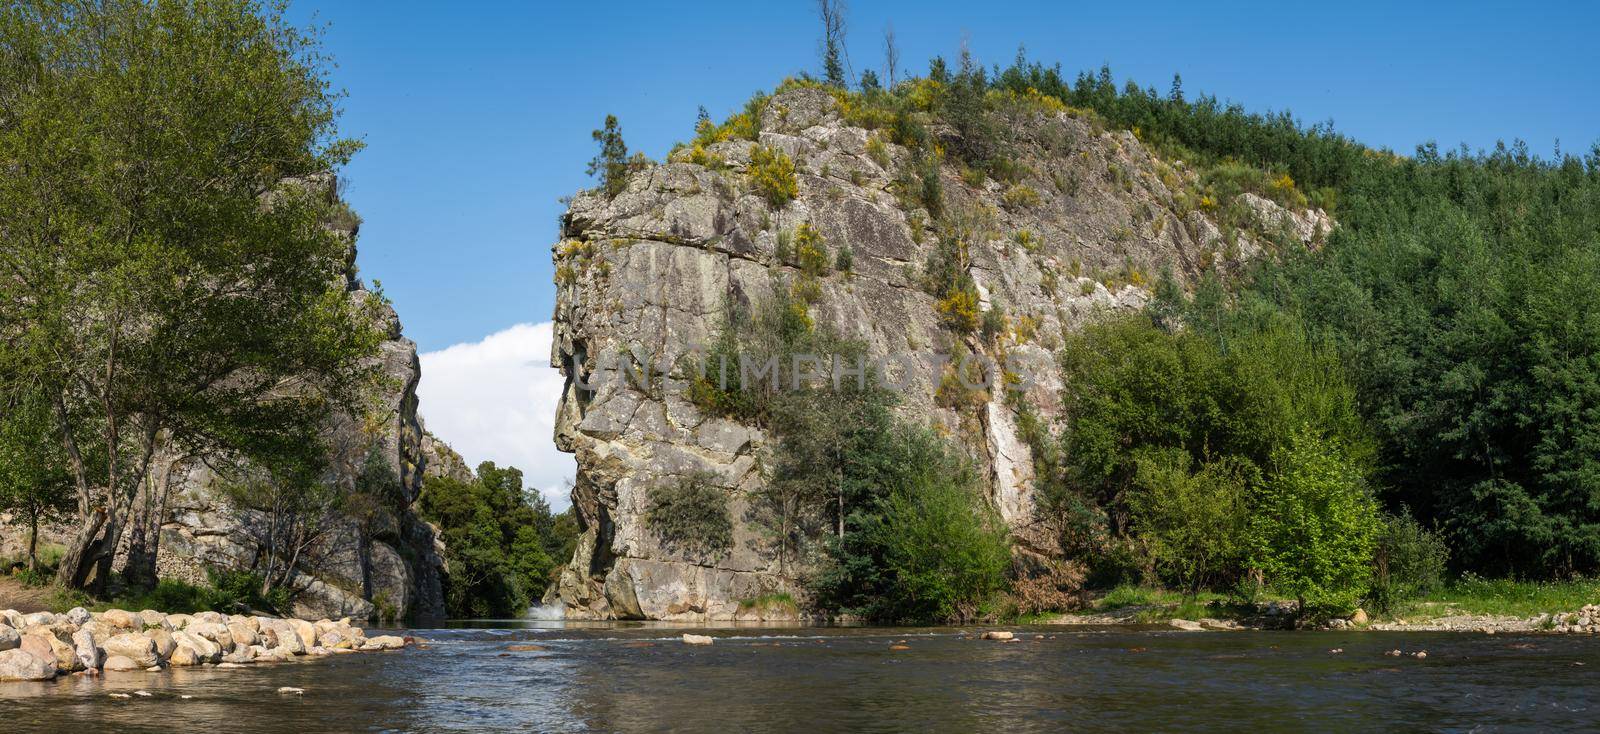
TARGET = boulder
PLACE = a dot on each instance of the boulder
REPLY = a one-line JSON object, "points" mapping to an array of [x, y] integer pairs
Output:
{"points": [[87, 650], [689, 639], [19, 665], [1360, 617], [240, 656], [306, 631], [998, 635], [77, 616], [49, 647], [119, 619], [241, 632], [163, 640], [10, 639], [1187, 625], [384, 642], [283, 637], [120, 663], [178, 621], [38, 618], [37, 644], [203, 650], [132, 646], [183, 656], [214, 631], [152, 618], [12, 618]]}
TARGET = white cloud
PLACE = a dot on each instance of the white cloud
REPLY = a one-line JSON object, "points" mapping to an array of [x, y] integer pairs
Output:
{"points": [[495, 400]]}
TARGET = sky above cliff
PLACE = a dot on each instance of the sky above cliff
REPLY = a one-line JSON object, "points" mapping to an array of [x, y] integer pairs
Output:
{"points": [[477, 119]]}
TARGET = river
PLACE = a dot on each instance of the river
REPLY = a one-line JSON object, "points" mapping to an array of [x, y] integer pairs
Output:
{"points": [[641, 678]]}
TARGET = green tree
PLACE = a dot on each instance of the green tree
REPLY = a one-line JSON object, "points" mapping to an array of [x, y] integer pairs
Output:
{"points": [[831, 13], [169, 272], [1314, 525], [503, 545], [1194, 520], [611, 163], [34, 484]]}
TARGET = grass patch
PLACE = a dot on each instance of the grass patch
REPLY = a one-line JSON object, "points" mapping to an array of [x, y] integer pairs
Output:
{"points": [[1500, 597]]}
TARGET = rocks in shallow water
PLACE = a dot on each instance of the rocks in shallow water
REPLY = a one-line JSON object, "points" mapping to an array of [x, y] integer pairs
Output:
{"points": [[1186, 625], [525, 648], [132, 646], [122, 663], [998, 635], [292, 691], [89, 653], [689, 639], [20, 665], [123, 641], [384, 642]]}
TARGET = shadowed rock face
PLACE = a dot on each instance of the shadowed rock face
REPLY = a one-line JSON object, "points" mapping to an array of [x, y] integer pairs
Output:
{"points": [[648, 274]]}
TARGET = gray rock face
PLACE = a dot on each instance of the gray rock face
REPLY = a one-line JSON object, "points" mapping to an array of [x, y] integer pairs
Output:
{"points": [[645, 277]]}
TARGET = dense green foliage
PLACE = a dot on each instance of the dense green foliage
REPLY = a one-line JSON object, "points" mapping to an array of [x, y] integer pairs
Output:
{"points": [[152, 300], [1411, 561], [691, 513], [919, 544], [35, 486], [1313, 524], [502, 543]]}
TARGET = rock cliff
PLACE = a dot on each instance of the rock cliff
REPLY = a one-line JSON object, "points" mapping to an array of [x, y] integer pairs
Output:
{"points": [[1084, 226]]}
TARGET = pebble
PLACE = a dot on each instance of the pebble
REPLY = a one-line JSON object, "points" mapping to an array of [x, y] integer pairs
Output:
{"points": [[1420, 654], [1336, 651], [145, 694], [1393, 653], [291, 690], [120, 695], [899, 647]]}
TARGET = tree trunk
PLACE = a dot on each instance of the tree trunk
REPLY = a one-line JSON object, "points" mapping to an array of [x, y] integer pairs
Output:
{"points": [[79, 559], [33, 543]]}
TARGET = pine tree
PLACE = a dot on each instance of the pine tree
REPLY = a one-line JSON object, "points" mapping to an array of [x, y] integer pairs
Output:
{"points": [[611, 163]]}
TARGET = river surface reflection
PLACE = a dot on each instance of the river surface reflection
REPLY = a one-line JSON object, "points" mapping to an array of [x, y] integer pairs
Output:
{"points": [[607, 677]]}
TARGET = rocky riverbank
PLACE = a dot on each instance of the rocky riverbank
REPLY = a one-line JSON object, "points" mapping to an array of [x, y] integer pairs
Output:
{"points": [[1583, 621], [41, 646]]}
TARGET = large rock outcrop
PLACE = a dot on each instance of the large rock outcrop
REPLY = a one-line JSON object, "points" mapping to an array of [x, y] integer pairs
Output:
{"points": [[645, 276]]}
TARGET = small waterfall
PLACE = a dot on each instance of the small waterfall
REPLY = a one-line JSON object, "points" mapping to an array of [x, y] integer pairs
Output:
{"points": [[547, 612]]}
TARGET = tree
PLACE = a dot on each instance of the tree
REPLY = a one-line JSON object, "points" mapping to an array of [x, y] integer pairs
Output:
{"points": [[611, 163], [1193, 519], [831, 13], [285, 515], [171, 283], [34, 484], [891, 55], [503, 545], [1314, 525]]}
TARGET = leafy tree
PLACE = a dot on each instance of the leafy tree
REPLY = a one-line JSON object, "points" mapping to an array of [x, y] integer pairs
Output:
{"points": [[503, 544], [611, 163], [1410, 560], [34, 484], [169, 272], [1194, 520], [1314, 525], [921, 545]]}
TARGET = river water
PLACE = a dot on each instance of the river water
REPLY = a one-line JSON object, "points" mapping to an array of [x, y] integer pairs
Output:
{"points": [[628, 678]]}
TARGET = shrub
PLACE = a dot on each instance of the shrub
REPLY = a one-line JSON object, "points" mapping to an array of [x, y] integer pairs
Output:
{"points": [[959, 310], [771, 173], [1315, 525], [810, 251], [691, 513], [1020, 196], [1410, 560], [878, 152], [1192, 519], [945, 549], [845, 261]]}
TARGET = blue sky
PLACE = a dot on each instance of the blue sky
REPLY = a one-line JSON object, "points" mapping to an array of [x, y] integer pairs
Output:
{"points": [[477, 118], [477, 115]]}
